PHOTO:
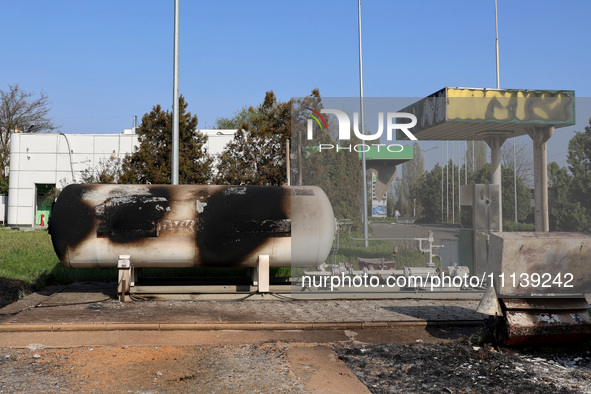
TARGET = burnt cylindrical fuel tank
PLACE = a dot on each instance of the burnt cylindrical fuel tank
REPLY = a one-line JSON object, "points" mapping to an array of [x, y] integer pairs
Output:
{"points": [[191, 225]]}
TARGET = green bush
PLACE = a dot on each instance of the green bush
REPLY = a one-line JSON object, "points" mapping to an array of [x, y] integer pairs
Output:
{"points": [[513, 226]]}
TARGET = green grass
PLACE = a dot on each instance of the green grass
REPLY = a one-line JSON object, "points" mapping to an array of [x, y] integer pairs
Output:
{"points": [[29, 256], [349, 250], [26, 255]]}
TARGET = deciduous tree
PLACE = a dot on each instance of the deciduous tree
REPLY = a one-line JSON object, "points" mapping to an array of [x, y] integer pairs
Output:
{"points": [[476, 153], [105, 171], [408, 182], [522, 161], [21, 112], [243, 116]]}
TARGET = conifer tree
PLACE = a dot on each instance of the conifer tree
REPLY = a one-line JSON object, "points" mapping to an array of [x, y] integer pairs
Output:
{"points": [[257, 154], [151, 162]]}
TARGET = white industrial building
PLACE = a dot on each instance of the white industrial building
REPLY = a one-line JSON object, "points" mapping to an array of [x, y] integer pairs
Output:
{"points": [[41, 162]]}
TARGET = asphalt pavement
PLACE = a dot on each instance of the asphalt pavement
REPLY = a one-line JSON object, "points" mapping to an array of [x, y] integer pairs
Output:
{"points": [[409, 231]]}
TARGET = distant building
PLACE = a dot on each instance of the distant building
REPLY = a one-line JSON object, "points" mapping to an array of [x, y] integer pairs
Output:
{"points": [[40, 162], [216, 143]]}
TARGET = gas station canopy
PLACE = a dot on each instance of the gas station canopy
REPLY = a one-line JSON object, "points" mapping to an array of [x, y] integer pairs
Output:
{"points": [[478, 114]]}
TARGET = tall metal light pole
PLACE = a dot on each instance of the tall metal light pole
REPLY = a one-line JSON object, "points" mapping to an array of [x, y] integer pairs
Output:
{"points": [[473, 158], [465, 163], [453, 185], [363, 167], [446, 181], [515, 178], [498, 87], [442, 182], [175, 99], [459, 183], [497, 44]]}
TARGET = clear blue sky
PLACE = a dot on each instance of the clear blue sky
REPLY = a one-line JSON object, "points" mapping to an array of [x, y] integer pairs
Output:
{"points": [[102, 62]]}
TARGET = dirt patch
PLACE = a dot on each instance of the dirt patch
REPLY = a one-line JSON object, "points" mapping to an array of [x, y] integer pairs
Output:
{"points": [[212, 369], [322, 371], [11, 290]]}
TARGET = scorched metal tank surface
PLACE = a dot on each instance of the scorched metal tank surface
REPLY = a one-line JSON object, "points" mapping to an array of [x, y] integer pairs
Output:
{"points": [[191, 225]]}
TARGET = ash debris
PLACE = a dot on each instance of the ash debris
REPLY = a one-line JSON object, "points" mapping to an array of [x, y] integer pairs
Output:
{"points": [[464, 368]]}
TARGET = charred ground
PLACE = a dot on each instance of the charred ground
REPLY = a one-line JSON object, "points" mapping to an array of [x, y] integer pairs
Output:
{"points": [[459, 367]]}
